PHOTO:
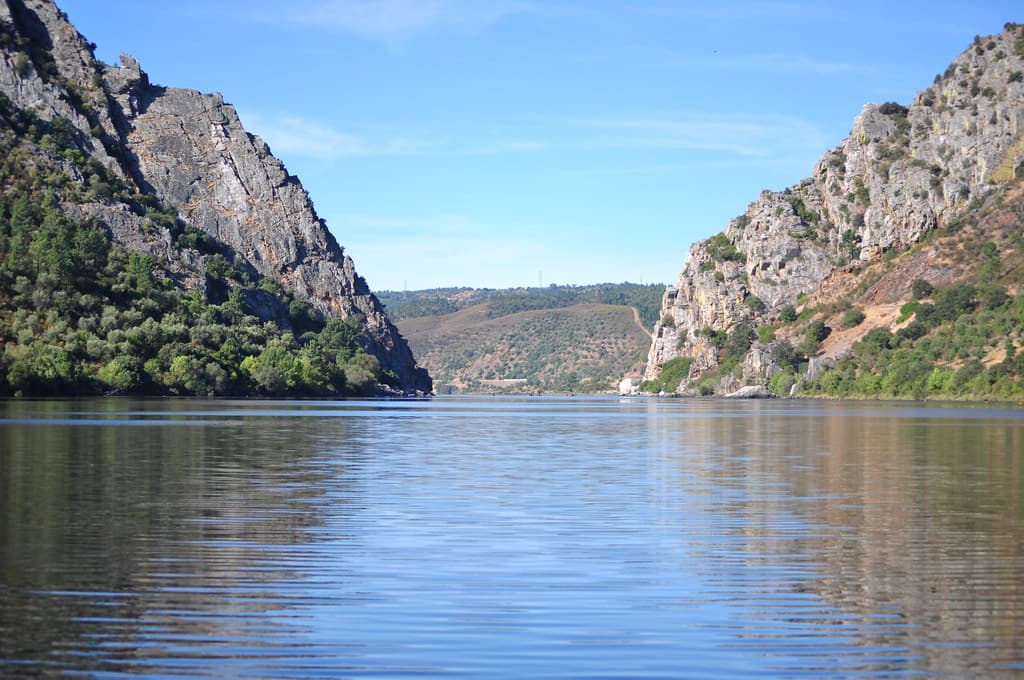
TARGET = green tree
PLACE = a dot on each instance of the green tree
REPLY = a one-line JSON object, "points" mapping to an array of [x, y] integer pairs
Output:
{"points": [[849, 244], [815, 332], [91, 249], [921, 289], [784, 354], [43, 368], [304, 317], [276, 370], [911, 332], [138, 273], [781, 383], [992, 297], [990, 265], [672, 373], [952, 302], [362, 374], [720, 248], [738, 341], [120, 374], [23, 222]]}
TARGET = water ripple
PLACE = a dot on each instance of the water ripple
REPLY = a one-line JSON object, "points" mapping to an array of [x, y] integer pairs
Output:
{"points": [[598, 538]]}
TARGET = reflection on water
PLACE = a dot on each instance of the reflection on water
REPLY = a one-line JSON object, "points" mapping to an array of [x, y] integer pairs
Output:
{"points": [[523, 537], [904, 525]]}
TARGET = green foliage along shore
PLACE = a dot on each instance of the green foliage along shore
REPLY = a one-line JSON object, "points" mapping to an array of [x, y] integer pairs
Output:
{"points": [[81, 316], [964, 344], [672, 373]]}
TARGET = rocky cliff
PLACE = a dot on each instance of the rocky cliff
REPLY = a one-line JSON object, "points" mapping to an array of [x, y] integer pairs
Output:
{"points": [[187, 153], [903, 173]]}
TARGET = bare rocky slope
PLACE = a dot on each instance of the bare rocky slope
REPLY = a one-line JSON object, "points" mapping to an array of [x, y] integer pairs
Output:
{"points": [[188, 153], [904, 173]]}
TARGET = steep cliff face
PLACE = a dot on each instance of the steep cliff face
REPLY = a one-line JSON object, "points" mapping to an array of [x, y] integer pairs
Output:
{"points": [[188, 152], [902, 173]]}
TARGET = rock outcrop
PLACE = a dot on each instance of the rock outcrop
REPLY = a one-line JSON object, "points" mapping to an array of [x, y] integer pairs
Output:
{"points": [[903, 172], [188, 152], [750, 392]]}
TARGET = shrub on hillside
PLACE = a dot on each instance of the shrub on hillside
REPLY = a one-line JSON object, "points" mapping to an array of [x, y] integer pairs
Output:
{"points": [[853, 317], [673, 372], [921, 289], [721, 248], [815, 332]]}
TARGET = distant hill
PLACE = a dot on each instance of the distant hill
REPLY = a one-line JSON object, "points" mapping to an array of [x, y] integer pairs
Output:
{"points": [[554, 339], [896, 270], [437, 301]]}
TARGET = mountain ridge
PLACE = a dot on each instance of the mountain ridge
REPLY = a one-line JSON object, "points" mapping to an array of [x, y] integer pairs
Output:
{"points": [[905, 173], [186, 159]]}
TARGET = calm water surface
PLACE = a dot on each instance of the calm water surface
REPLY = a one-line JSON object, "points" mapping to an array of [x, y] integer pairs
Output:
{"points": [[510, 537]]}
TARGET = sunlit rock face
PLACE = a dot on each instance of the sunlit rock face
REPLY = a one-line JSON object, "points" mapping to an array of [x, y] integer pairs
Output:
{"points": [[902, 172]]}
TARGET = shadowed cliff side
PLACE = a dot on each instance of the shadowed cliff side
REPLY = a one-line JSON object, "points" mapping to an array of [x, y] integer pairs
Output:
{"points": [[185, 156]]}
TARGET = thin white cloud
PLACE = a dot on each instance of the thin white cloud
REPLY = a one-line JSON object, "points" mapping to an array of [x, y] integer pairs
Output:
{"points": [[741, 135], [297, 135], [290, 134], [463, 251], [662, 58], [502, 146], [698, 166], [776, 62], [460, 250], [454, 225], [396, 21], [732, 135], [734, 11]]}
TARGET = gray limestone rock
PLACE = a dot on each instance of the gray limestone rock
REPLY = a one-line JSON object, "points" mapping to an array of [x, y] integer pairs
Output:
{"points": [[750, 392], [191, 152], [901, 173]]}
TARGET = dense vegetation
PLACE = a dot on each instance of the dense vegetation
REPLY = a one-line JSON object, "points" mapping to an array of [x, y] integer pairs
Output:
{"points": [[582, 348], [730, 346], [963, 344], [672, 373], [646, 299], [553, 339], [961, 340], [81, 315]]}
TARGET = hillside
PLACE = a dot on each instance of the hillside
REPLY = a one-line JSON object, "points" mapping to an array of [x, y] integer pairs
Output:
{"points": [[555, 339], [893, 271], [125, 205], [646, 299]]}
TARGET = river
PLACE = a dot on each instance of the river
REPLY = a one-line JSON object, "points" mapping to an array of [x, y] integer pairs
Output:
{"points": [[510, 537]]}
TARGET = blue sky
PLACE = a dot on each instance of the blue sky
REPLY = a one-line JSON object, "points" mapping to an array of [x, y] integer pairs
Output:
{"points": [[498, 143]]}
